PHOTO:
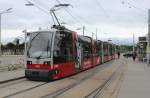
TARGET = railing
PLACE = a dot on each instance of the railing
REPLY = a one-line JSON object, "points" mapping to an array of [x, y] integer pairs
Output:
{"points": [[12, 52]]}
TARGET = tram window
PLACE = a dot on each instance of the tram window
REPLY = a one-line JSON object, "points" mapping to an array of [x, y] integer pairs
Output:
{"points": [[87, 50], [86, 45], [105, 49], [98, 49], [63, 48], [111, 50]]}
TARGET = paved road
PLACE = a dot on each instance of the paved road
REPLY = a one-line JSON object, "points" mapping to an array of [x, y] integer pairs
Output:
{"points": [[137, 81], [134, 85], [7, 75], [95, 77]]}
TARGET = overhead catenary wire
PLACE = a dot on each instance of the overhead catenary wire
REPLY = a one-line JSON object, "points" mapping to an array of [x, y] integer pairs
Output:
{"points": [[75, 17], [101, 7], [104, 11], [130, 5], [43, 10], [43, 5], [38, 5], [77, 20]]}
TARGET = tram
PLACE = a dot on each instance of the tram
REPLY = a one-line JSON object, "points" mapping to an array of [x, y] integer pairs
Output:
{"points": [[59, 52]]}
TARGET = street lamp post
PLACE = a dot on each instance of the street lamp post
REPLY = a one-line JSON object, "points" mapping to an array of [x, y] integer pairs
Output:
{"points": [[102, 51], [148, 40], [109, 41], [0, 34], [83, 30], [133, 43], [1, 13]]}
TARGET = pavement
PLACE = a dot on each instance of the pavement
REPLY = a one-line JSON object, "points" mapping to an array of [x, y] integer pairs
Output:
{"points": [[8, 75], [136, 83]]}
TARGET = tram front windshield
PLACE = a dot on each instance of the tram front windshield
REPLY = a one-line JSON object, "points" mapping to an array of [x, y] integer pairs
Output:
{"points": [[39, 45]]}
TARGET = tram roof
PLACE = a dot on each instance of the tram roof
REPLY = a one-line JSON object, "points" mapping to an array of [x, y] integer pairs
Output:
{"points": [[51, 30], [85, 38]]}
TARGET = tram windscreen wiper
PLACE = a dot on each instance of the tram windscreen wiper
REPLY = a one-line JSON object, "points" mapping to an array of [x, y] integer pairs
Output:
{"points": [[35, 36], [31, 41], [39, 57]]}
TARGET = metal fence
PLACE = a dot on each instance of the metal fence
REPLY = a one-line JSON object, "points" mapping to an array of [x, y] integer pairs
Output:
{"points": [[12, 52], [11, 62]]}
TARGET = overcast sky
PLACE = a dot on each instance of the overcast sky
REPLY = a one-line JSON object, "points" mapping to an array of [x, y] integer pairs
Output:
{"points": [[112, 18]]}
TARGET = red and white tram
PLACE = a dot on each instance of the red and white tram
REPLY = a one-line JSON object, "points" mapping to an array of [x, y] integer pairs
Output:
{"points": [[61, 52]]}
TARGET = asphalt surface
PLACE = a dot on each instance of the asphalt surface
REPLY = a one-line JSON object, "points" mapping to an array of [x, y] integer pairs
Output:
{"points": [[136, 83], [7, 75], [76, 86], [132, 82]]}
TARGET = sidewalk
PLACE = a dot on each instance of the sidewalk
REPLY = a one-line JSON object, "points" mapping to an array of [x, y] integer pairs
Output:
{"points": [[7, 75], [136, 83]]}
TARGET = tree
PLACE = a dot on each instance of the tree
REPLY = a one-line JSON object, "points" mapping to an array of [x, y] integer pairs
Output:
{"points": [[17, 42], [10, 45]]}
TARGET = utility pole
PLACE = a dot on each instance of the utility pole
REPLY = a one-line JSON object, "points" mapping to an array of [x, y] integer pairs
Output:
{"points": [[92, 35], [148, 40], [83, 30], [1, 13], [133, 44], [96, 34], [102, 47], [0, 35], [102, 51], [25, 45]]}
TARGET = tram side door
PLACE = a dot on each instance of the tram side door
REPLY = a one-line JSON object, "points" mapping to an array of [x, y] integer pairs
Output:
{"points": [[79, 55]]}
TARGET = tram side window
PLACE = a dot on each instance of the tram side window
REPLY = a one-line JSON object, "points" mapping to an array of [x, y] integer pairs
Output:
{"points": [[98, 49], [113, 50], [110, 52], [87, 50], [105, 50], [63, 48]]}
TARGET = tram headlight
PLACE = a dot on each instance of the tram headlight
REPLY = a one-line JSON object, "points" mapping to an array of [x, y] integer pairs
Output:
{"points": [[29, 62], [56, 72], [46, 63]]}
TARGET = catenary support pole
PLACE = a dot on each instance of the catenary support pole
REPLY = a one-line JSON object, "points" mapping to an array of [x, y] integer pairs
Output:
{"points": [[0, 35], [83, 30], [133, 43], [148, 40]]}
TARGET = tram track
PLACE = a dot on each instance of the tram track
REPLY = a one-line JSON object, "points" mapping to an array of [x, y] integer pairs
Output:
{"points": [[63, 90], [22, 91], [11, 80], [56, 93], [15, 83], [99, 91], [59, 92], [9, 83]]}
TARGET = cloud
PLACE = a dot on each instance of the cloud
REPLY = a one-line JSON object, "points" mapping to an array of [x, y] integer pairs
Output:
{"points": [[109, 16]]}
